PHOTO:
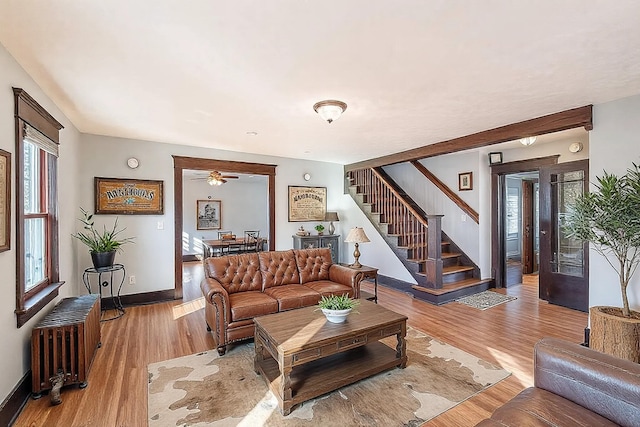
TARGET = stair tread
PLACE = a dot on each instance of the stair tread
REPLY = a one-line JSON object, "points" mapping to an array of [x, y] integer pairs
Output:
{"points": [[445, 255], [452, 269]]}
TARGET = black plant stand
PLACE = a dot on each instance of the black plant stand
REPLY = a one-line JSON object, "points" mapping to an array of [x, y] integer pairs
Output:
{"points": [[107, 282]]}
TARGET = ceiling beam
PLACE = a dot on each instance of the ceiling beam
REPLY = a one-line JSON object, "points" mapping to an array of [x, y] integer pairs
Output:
{"points": [[569, 119]]}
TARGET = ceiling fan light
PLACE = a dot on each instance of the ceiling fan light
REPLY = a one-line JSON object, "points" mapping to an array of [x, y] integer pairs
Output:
{"points": [[330, 110], [528, 141]]}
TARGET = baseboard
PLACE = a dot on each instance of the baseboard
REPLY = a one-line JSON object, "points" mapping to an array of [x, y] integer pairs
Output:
{"points": [[398, 285], [13, 404], [141, 298]]}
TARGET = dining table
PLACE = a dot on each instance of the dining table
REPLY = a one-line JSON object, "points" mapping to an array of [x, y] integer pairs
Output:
{"points": [[229, 245]]}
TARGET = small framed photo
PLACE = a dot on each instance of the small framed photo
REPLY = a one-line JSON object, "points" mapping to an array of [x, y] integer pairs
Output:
{"points": [[465, 181], [495, 158], [209, 214]]}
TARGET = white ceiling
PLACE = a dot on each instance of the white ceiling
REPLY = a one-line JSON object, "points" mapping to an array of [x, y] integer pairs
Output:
{"points": [[416, 72]]}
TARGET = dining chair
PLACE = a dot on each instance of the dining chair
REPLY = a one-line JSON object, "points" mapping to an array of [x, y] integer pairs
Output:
{"points": [[251, 238], [221, 234]]}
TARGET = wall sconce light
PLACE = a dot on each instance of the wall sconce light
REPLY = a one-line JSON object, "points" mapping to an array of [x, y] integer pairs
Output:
{"points": [[528, 141]]}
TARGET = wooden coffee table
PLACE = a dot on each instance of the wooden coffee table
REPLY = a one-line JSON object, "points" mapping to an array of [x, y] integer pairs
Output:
{"points": [[301, 355]]}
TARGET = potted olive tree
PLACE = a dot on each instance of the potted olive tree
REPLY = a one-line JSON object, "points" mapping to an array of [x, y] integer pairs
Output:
{"points": [[102, 245], [609, 218]]}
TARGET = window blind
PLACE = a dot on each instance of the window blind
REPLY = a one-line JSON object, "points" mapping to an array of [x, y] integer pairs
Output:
{"points": [[40, 140]]}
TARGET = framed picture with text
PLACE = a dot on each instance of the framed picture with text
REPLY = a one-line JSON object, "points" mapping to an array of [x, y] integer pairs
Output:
{"points": [[128, 196], [307, 203]]}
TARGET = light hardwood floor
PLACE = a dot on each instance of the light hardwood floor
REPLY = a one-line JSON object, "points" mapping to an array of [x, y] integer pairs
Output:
{"points": [[117, 390]]}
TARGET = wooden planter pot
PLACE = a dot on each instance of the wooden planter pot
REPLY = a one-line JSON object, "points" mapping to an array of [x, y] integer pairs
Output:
{"points": [[615, 334]]}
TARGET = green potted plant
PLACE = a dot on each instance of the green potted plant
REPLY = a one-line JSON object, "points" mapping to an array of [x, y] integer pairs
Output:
{"points": [[102, 245], [320, 229], [336, 308], [609, 218]]}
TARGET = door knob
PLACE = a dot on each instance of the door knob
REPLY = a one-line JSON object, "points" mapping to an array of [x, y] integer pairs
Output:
{"points": [[543, 232]]}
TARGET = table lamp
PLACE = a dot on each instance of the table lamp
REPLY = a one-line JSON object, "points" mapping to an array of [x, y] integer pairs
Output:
{"points": [[356, 235], [331, 216]]}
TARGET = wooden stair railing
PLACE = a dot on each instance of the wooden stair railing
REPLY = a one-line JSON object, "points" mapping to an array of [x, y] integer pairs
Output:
{"points": [[418, 233]]}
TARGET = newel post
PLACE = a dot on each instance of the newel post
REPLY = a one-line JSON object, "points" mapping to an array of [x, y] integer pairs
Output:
{"points": [[433, 265]]}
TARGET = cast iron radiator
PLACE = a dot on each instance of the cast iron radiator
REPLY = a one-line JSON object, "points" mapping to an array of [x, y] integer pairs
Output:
{"points": [[63, 344]]}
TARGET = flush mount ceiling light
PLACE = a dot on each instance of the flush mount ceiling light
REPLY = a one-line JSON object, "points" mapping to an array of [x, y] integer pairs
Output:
{"points": [[528, 141], [329, 110]]}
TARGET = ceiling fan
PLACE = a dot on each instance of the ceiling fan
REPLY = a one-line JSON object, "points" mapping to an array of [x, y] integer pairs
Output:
{"points": [[216, 178]]}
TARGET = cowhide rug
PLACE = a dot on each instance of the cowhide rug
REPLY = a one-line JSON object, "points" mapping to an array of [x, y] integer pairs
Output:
{"points": [[205, 389]]}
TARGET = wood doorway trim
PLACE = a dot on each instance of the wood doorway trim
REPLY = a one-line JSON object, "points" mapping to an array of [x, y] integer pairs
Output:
{"points": [[194, 163], [498, 173]]}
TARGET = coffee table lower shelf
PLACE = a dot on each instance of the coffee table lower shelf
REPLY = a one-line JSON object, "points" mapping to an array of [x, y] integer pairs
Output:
{"points": [[324, 375]]}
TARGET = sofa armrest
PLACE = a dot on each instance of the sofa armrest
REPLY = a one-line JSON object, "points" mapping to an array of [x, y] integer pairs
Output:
{"points": [[602, 383], [215, 294], [346, 276]]}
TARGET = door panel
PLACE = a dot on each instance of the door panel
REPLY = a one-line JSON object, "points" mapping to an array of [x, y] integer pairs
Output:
{"points": [[564, 262], [527, 227]]}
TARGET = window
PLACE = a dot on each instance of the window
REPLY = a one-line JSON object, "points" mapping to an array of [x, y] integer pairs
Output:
{"points": [[37, 272]]}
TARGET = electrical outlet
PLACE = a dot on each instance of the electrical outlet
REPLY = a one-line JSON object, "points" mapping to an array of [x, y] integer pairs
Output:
{"points": [[132, 280], [463, 218], [160, 225]]}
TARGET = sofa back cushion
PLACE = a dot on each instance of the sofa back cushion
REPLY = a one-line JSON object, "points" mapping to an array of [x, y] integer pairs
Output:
{"points": [[278, 268], [313, 264], [236, 273]]}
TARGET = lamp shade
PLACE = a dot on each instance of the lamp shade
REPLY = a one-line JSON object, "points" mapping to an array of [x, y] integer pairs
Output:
{"points": [[357, 235], [331, 216]]}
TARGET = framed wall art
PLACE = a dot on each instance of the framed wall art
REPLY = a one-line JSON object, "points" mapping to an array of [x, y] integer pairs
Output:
{"points": [[209, 214], [5, 200], [307, 203], [495, 158], [128, 196], [465, 181]]}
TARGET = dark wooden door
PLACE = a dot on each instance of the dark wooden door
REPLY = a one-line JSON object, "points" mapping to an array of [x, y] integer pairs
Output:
{"points": [[528, 227], [564, 261]]}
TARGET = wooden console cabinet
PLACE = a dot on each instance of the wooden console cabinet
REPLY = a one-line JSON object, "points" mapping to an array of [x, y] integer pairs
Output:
{"points": [[331, 241]]}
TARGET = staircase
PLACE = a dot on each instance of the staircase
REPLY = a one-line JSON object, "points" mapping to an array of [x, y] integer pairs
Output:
{"points": [[442, 271]]}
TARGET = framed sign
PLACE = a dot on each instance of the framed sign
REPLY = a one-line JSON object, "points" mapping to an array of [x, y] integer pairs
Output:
{"points": [[128, 196], [209, 214], [465, 181], [307, 203], [5, 200]]}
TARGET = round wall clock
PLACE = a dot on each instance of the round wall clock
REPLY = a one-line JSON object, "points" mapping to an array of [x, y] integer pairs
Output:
{"points": [[132, 162]]}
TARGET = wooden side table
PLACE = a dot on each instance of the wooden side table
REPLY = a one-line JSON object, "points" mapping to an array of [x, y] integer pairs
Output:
{"points": [[368, 273]]}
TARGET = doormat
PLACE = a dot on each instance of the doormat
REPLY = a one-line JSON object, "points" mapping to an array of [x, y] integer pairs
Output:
{"points": [[485, 300], [206, 389]]}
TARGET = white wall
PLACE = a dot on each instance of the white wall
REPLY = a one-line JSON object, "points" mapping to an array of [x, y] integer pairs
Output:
{"points": [[615, 144], [15, 353], [245, 206], [151, 260]]}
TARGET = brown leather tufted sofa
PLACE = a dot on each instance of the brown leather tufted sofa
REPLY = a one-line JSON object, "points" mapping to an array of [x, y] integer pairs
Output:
{"points": [[574, 386], [238, 288]]}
